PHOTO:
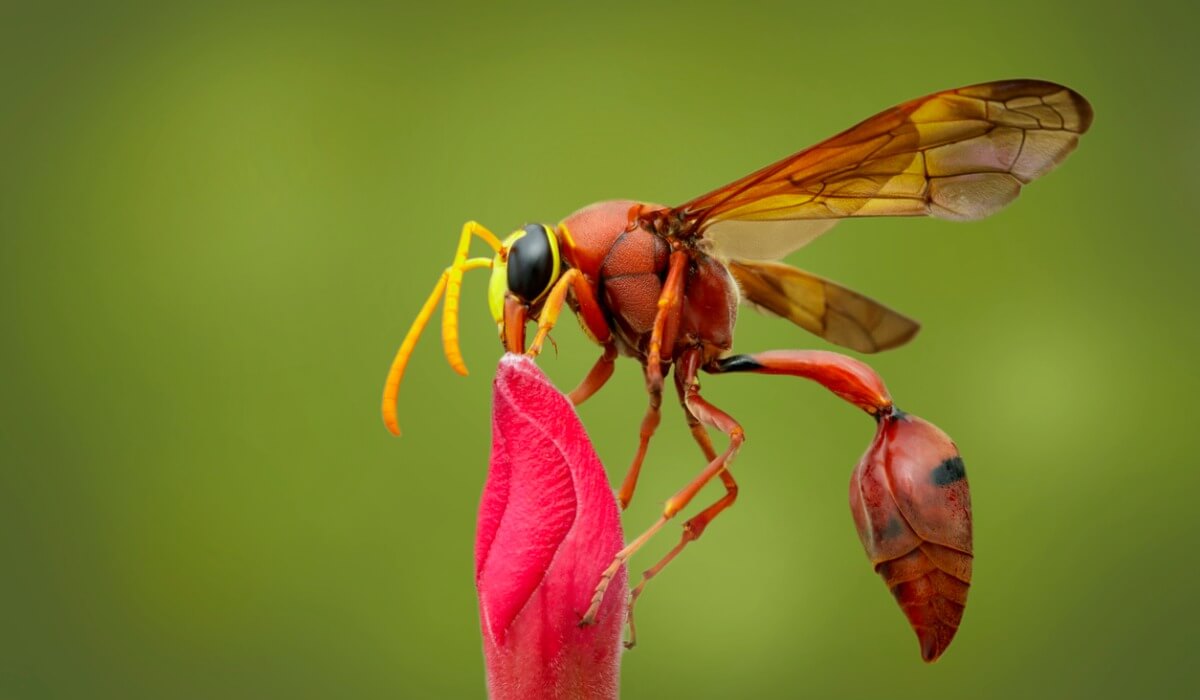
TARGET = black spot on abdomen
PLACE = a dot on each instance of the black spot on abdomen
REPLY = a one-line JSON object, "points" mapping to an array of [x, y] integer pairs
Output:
{"points": [[949, 471]]}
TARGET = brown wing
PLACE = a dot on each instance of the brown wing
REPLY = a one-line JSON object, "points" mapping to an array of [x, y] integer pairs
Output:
{"points": [[960, 154], [822, 307]]}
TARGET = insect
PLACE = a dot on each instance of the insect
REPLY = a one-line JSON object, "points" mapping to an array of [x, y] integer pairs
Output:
{"points": [[662, 285]]}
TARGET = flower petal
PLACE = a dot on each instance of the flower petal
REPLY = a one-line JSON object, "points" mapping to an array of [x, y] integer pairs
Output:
{"points": [[548, 526]]}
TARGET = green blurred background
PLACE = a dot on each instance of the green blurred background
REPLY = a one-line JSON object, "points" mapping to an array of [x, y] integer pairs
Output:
{"points": [[217, 223]]}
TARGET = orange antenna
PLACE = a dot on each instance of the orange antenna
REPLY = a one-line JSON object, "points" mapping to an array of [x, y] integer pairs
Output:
{"points": [[450, 283]]}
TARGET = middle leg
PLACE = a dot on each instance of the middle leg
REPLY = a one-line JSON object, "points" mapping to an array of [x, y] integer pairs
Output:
{"points": [[686, 370], [662, 342], [708, 414]]}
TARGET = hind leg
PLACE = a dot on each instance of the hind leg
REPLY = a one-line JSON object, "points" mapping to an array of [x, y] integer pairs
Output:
{"points": [[685, 381], [707, 414]]}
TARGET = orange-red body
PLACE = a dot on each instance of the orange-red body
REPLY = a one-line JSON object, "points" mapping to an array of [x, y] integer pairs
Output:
{"points": [[662, 285], [626, 265]]}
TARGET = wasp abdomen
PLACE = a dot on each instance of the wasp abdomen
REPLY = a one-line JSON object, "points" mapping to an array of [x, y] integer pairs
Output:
{"points": [[912, 508]]}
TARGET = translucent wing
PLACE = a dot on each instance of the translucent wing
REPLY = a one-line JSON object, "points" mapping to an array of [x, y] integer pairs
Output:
{"points": [[761, 240], [960, 154], [841, 316]]}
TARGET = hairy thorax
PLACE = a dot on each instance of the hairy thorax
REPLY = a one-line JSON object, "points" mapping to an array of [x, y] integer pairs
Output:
{"points": [[628, 266]]}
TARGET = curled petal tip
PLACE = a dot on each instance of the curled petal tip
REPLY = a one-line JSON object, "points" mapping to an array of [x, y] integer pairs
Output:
{"points": [[512, 359]]}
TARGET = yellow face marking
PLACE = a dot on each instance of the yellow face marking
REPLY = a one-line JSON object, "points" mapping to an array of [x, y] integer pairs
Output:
{"points": [[498, 285], [557, 257], [566, 237]]}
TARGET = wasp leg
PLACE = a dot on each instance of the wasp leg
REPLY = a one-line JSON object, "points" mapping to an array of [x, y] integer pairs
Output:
{"points": [[666, 321], [551, 309], [454, 291], [666, 327], [595, 378], [391, 388], [686, 369], [595, 323], [649, 425], [593, 316], [708, 414]]}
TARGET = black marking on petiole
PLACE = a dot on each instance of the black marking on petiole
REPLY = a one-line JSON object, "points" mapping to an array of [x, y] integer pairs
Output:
{"points": [[948, 472], [738, 363]]}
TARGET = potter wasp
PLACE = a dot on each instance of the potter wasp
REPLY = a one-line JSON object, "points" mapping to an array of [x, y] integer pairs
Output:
{"points": [[662, 285]]}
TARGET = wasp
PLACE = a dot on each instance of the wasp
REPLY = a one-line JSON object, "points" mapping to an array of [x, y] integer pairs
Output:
{"points": [[662, 285]]}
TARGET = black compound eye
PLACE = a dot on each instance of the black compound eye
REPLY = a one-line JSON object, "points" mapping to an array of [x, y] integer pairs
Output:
{"points": [[531, 263]]}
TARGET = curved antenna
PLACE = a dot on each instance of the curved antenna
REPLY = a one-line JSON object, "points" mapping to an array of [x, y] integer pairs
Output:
{"points": [[450, 283], [391, 388]]}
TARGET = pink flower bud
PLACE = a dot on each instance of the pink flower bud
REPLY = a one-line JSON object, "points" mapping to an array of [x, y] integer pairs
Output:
{"points": [[548, 526]]}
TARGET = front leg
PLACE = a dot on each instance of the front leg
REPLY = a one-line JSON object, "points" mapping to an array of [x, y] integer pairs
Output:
{"points": [[589, 311], [594, 324], [596, 378]]}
